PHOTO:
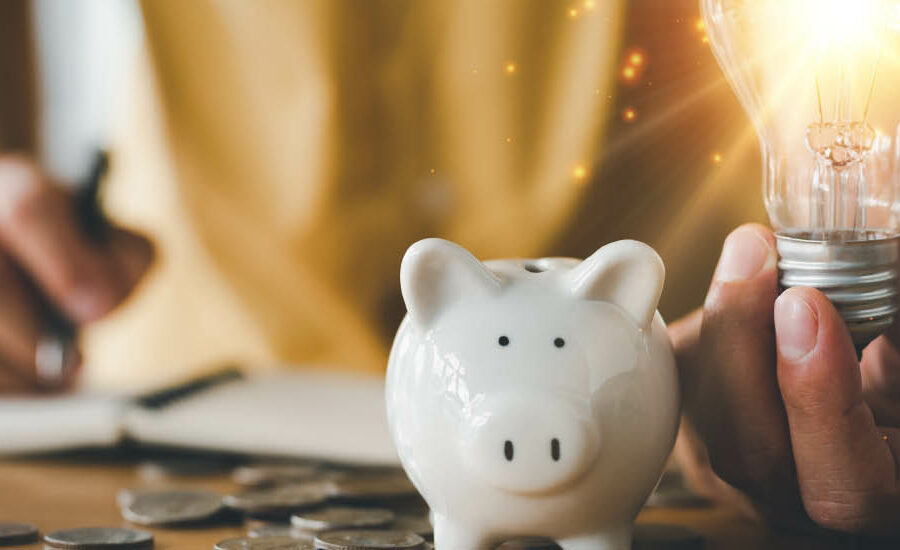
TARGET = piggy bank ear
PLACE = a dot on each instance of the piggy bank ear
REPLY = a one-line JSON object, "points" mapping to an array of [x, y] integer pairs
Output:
{"points": [[436, 273], [628, 274]]}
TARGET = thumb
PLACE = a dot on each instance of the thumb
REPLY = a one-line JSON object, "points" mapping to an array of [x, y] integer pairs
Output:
{"points": [[845, 465]]}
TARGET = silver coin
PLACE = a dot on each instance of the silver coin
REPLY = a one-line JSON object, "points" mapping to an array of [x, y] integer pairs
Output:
{"points": [[170, 507], [373, 487], [264, 543], [369, 540], [99, 538], [181, 467], [341, 517], [126, 496], [419, 525], [282, 497], [279, 530], [17, 533], [272, 474]]}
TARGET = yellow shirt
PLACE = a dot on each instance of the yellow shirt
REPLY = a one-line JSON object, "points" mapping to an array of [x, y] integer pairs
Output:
{"points": [[283, 154]]}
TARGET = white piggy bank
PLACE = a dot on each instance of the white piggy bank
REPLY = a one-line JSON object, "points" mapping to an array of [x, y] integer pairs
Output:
{"points": [[532, 397]]}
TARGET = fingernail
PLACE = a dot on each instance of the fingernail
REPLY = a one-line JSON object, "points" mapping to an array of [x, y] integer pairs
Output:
{"points": [[744, 254], [89, 305], [796, 326]]}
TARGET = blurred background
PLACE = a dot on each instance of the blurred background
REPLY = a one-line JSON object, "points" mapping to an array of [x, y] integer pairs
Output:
{"points": [[558, 127]]}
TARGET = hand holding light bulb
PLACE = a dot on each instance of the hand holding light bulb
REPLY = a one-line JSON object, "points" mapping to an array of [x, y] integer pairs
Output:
{"points": [[780, 418], [784, 414]]}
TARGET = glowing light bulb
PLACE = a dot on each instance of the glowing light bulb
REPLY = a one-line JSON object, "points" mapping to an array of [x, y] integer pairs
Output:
{"points": [[815, 78]]}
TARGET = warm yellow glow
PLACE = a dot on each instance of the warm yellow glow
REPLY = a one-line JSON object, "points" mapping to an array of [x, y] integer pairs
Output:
{"points": [[628, 73], [573, 13], [509, 140], [705, 39], [636, 59], [700, 25], [816, 77], [629, 114], [510, 68], [579, 172], [589, 4], [814, 61], [835, 24]]}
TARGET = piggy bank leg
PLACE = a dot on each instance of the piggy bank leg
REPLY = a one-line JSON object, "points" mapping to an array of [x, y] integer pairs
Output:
{"points": [[610, 540], [449, 535]]}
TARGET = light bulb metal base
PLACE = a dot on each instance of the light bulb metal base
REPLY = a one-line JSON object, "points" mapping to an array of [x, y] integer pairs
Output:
{"points": [[858, 276]]}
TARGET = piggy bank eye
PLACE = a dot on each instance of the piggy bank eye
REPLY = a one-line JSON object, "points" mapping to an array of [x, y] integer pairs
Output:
{"points": [[559, 342], [503, 341]]}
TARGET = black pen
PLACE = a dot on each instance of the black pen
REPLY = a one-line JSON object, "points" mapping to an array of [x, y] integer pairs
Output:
{"points": [[60, 332]]}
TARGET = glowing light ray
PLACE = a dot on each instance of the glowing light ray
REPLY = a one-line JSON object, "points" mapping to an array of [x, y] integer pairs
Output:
{"points": [[703, 197]]}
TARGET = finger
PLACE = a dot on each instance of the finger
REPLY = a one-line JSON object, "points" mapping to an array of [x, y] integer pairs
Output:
{"points": [[690, 451], [685, 336], [133, 253], [846, 470], [12, 383], [38, 226], [693, 459], [731, 396], [21, 328], [880, 371]]}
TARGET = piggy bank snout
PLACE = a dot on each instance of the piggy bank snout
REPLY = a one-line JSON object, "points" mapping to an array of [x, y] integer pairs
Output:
{"points": [[530, 443]]}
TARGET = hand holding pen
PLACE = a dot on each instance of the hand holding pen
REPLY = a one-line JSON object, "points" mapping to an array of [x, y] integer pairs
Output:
{"points": [[61, 267]]}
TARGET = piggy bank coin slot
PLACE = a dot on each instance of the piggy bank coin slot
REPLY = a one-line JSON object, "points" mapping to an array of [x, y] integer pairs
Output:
{"points": [[533, 268]]}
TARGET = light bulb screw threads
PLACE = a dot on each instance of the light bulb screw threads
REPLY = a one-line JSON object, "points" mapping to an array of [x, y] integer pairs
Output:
{"points": [[859, 276]]}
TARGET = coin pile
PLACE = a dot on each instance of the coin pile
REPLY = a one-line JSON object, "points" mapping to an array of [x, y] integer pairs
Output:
{"points": [[291, 506], [296, 506]]}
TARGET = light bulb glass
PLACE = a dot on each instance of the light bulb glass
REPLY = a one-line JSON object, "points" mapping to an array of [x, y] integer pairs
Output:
{"points": [[819, 81]]}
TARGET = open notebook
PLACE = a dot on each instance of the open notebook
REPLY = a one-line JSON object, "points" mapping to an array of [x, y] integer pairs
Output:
{"points": [[309, 413]]}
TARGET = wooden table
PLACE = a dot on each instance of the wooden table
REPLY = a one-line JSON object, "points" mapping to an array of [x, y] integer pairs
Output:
{"points": [[59, 493]]}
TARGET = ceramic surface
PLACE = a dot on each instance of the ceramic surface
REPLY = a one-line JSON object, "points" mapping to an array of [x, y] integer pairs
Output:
{"points": [[532, 397]]}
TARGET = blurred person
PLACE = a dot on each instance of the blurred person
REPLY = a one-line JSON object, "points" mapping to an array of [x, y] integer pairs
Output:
{"points": [[282, 158]]}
